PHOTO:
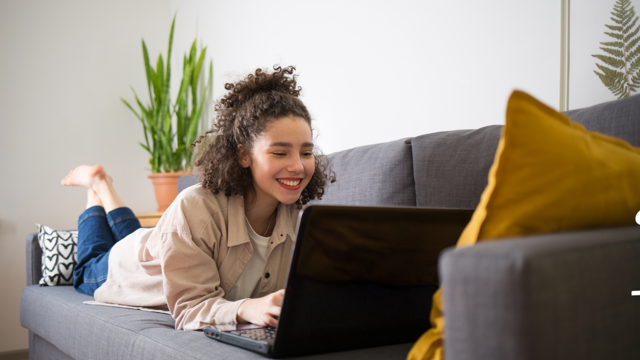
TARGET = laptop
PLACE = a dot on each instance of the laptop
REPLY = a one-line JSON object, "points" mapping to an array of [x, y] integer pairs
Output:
{"points": [[359, 277]]}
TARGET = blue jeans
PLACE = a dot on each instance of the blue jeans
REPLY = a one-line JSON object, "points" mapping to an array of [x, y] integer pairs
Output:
{"points": [[97, 233]]}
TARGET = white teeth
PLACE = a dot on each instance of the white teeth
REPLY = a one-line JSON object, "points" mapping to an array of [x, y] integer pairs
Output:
{"points": [[290, 182]]}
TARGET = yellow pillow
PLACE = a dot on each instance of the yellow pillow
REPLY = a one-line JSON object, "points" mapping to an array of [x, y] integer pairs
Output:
{"points": [[549, 175]]}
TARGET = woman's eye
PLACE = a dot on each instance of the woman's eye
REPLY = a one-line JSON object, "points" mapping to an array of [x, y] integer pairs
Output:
{"points": [[307, 154], [279, 154]]}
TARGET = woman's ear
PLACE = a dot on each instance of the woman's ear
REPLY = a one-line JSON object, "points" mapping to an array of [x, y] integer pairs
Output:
{"points": [[243, 157]]}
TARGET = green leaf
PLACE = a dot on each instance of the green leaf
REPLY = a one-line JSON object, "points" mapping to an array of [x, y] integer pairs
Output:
{"points": [[173, 24], [195, 117], [132, 110], [615, 44], [631, 35], [616, 53], [146, 148], [614, 28], [147, 68], [195, 76], [184, 85], [629, 27], [615, 36], [611, 61]]}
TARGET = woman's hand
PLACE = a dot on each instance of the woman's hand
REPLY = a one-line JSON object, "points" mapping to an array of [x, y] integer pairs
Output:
{"points": [[261, 311]]}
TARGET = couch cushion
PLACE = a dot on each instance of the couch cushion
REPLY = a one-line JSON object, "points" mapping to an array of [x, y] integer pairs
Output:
{"points": [[451, 167], [187, 180], [551, 175], [57, 315], [618, 118], [379, 174]]}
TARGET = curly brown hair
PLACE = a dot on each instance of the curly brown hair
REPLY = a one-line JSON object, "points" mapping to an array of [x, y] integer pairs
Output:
{"points": [[243, 114]]}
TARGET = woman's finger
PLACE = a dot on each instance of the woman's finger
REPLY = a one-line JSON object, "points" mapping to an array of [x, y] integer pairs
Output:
{"points": [[273, 310], [278, 297], [268, 320]]}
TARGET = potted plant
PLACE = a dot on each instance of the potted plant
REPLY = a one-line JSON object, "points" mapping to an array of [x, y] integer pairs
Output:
{"points": [[170, 127]]}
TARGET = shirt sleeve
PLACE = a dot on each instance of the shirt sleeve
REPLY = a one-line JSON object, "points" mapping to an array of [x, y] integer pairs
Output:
{"points": [[191, 282]]}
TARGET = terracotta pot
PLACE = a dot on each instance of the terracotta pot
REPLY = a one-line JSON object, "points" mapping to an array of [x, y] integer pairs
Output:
{"points": [[166, 188]]}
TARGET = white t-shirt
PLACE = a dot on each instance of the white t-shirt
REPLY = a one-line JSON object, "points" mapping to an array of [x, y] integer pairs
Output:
{"points": [[248, 283]]}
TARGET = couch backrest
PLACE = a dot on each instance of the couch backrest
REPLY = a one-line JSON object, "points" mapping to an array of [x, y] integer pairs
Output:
{"points": [[379, 174], [451, 168], [618, 118]]}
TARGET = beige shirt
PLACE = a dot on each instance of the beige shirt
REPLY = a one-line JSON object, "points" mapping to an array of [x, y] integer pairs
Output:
{"points": [[193, 257]]}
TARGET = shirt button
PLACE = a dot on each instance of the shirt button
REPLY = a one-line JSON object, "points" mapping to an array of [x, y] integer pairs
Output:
{"points": [[266, 276]]}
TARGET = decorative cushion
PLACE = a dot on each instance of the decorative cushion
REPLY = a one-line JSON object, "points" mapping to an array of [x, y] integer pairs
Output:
{"points": [[58, 255], [549, 175]]}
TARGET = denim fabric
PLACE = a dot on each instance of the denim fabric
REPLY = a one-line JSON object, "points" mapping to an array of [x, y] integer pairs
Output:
{"points": [[97, 233]]}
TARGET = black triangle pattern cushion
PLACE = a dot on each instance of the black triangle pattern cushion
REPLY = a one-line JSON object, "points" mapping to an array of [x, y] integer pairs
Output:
{"points": [[59, 255]]}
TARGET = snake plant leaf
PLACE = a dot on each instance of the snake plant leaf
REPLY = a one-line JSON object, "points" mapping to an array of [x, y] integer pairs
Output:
{"points": [[132, 110], [193, 128], [184, 85], [146, 114], [194, 79], [169, 149], [192, 51], [147, 67], [160, 72], [620, 70], [146, 147], [173, 25]]}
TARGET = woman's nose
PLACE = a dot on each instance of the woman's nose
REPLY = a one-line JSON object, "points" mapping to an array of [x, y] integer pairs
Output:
{"points": [[295, 164]]}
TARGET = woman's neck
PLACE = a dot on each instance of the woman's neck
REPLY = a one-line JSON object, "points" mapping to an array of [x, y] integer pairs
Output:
{"points": [[261, 216]]}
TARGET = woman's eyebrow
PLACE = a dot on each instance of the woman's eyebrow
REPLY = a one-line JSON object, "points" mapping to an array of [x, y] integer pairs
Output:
{"points": [[288, 144]]}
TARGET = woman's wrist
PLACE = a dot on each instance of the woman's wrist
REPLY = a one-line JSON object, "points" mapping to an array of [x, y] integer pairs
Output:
{"points": [[241, 317]]}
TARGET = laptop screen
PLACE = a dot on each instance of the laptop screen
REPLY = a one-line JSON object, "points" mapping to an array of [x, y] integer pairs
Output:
{"points": [[363, 276]]}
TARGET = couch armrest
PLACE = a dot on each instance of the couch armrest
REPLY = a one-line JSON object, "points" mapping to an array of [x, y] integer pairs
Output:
{"points": [[34, 260], [555, 296]]}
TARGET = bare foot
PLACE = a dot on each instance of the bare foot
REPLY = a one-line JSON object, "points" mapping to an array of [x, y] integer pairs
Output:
{"points": [[85, 175]]}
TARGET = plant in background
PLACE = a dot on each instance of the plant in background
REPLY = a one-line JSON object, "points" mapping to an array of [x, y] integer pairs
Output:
{"points": [[169, 149], [621, 75]]}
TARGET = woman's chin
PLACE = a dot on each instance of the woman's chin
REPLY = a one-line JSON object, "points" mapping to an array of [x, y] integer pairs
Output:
{"points": [[289, 200]]}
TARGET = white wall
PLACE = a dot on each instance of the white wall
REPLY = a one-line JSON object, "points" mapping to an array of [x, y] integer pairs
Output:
{"points": [[588, 18], [372, 71], [375, 71], [63, 67]]}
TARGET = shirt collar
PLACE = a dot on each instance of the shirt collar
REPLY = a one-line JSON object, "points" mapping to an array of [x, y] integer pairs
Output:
{"points": [[238, 233]]}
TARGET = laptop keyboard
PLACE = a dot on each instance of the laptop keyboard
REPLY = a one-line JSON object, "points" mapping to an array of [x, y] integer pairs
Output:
{"points": [[265, 334]]}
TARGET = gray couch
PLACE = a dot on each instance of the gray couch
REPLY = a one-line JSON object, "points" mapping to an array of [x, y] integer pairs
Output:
{"points": [[556, 296]]}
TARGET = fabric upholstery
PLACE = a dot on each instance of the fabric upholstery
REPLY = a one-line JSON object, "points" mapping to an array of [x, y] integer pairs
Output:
{"points": [[572, 179], [554, 296], [41, 349], [186, 181], [618, 118], [380, 174], [451, 167], [34, 259], [57, 315]]}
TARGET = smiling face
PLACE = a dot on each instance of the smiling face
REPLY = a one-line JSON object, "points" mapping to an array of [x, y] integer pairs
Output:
{"points": [[281, 161]]}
